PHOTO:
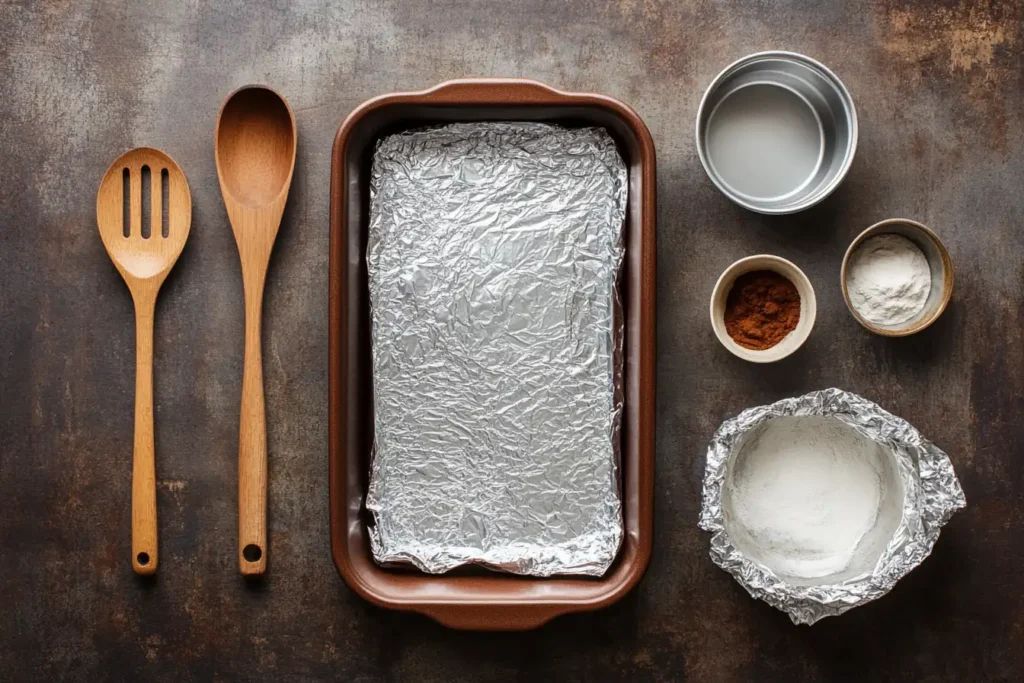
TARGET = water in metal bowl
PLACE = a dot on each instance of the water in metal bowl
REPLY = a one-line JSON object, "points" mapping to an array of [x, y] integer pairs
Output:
{"points": [[776, 132]]}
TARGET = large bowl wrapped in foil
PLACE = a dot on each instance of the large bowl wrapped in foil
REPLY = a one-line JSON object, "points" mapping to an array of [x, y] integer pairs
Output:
{"points": [[866, 496]]}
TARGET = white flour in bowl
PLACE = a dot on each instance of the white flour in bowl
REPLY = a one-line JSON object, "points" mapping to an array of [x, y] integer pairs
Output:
{"points": [[802, 493], [888, 279]]}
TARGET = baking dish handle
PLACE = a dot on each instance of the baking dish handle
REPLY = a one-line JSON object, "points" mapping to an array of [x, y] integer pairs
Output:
{"points": [[494, 617], [491, 90]]}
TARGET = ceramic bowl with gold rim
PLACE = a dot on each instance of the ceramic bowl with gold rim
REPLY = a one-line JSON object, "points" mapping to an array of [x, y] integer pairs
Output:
{"points": [[939, 263]]}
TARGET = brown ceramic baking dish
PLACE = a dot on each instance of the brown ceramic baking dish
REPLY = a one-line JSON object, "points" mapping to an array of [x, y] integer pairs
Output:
{"points": [[478, 599]]}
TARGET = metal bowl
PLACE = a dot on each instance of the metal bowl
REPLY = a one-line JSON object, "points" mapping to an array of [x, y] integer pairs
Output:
{"points": [[776, 132]]}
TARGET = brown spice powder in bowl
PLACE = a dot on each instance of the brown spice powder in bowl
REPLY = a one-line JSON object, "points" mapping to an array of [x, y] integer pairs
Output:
{"points": [[762, 308]]}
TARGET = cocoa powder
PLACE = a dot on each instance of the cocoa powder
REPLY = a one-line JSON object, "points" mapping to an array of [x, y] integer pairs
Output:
{"points": [[761, 309]]}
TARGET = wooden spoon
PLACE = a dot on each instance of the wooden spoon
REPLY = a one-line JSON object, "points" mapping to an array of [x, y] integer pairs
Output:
{"points": [[144, 254], [255, 146]]}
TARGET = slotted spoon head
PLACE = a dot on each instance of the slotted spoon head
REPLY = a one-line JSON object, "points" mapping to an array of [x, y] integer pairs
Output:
{"points": [[144, 255]]}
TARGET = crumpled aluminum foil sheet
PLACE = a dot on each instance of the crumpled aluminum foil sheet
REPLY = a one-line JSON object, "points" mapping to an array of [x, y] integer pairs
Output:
{"points": [[493, 253], [931, 489]]}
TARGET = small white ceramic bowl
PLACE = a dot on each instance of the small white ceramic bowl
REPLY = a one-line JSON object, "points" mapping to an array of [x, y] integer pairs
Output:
{"points": [[808, 307]]}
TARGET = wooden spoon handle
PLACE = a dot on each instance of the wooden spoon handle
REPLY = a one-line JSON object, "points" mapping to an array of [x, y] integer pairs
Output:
{"points": [[144, 545], [252, 446]]}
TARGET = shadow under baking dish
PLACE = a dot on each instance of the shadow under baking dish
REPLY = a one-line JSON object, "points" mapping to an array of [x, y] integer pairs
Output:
{"points": [[473, 598]]}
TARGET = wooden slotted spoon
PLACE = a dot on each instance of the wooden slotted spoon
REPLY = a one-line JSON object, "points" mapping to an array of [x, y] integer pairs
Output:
{"points": [[144, 262], [254, 146]]}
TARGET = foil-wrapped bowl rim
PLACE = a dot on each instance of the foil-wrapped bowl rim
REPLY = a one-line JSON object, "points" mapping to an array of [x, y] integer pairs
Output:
{"points": [[932, 494]]}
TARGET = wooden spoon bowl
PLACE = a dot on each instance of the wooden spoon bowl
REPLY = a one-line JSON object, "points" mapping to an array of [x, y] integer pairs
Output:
{"points": [[255, 147]]}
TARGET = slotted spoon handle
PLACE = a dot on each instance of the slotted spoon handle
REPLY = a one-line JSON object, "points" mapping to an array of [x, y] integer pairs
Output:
{"points": [[144, 542]]}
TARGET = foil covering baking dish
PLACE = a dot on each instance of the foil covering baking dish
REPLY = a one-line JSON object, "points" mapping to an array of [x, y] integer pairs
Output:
{"points": [[931, 494], [493, 252]]}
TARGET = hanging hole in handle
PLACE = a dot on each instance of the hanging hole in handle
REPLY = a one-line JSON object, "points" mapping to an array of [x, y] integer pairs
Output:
{"points": [[252, 553], [142, 559]]}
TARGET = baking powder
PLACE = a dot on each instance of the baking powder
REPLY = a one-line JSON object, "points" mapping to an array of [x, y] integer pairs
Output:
{"points": [[888, 280], [803, 492]]}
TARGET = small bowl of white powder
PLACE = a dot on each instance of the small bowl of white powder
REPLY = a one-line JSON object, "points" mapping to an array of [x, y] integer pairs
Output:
{"points": [[897, 277]]}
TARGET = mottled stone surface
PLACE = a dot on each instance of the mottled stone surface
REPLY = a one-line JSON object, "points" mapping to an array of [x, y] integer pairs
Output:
{"points": [[939, 92]]}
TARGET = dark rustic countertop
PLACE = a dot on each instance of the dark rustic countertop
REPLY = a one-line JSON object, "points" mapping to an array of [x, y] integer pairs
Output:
{"points": [[939, 93]]}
